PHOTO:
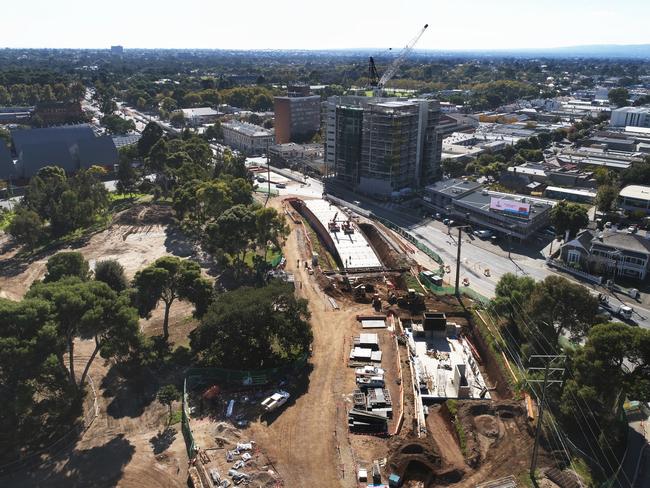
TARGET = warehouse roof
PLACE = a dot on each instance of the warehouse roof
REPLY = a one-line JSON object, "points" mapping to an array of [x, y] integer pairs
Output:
{"points": [[639, 192]]}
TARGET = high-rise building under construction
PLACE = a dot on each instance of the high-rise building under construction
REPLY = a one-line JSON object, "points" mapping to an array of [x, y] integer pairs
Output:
{"points": [[382, 145]]}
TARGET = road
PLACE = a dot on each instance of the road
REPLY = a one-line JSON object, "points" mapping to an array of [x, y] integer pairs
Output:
{"points": [[477, 255]]}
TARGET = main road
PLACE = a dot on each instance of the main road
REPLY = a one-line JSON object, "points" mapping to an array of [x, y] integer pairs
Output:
{"points": [[477, 256]]}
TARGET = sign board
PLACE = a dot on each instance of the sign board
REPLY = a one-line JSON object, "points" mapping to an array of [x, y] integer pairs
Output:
{"points": [[510, 206]]}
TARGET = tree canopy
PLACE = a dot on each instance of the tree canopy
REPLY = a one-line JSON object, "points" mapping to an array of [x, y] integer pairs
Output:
{"points": [[253, 328], [569, 217]]}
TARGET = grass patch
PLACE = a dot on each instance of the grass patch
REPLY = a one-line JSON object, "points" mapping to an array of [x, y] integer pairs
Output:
{"points": [[582, 469], [117, 197], [412, 282], [176, 417], [325, 259], [6, 218], [452, 405]]}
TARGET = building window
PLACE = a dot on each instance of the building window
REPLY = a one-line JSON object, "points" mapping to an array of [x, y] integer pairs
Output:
{"points": [[573, 256]]}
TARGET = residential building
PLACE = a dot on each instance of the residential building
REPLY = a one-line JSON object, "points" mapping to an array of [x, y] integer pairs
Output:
{"points": [[57, 113], [247, 138], [71, 147], [630, 116], [609, 253], [297, 116], [635, 198], [381, 146], [200, 115]]}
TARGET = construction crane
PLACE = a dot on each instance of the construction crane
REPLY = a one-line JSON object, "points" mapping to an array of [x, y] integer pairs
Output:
{"points": [[376, 83]]}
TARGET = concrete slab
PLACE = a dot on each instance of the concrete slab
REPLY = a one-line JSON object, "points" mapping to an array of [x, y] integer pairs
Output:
{"points": [[353, 249]]}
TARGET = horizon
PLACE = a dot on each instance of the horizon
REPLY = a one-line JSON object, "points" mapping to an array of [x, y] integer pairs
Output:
{"points": [[502, 25]]}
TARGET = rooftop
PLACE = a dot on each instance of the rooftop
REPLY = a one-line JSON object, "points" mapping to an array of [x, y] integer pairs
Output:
{"points": [[353, 249], [200, 112], [623, 240], [573, 191], [481, 200], [247, 129], [639, 192], [454, 186]]}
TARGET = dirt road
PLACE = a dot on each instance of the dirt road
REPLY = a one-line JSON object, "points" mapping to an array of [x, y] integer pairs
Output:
{"points": [[302, 442]]}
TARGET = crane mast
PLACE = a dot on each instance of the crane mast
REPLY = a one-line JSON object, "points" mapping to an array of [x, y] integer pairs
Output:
{"points": [[392, 69]]}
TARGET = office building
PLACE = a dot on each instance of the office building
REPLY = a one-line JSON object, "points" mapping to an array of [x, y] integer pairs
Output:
{"points": [[382, 146], [630, 116], [247, 138], [297, 116], [117, 50]]}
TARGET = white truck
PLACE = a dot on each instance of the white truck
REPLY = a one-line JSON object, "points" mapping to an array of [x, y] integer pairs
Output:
{"points": [[276, 400], [621, 310]]}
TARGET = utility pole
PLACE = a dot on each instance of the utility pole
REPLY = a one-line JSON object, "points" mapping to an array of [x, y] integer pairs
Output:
{"points": [[548, 360], [460, 228]]}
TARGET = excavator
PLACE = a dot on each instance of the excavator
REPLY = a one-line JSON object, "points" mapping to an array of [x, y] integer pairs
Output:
{"points": [[377, 83]]}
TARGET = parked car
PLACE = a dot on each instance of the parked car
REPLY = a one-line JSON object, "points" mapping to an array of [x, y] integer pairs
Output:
{"points": [[276, 400], [280, 185], [483, 234]]}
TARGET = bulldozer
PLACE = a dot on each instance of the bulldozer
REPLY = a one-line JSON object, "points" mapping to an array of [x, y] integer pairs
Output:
{"points": [[413, 301]]}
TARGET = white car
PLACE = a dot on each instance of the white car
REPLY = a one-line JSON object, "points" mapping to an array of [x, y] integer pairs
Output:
{"points": [[276, 400]]}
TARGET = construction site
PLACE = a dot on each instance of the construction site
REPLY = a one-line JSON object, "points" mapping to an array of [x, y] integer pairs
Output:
{"points": [[401, 389]]}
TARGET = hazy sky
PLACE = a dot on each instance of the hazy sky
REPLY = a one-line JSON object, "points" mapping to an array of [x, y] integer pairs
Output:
{"points": [[306, 24]]}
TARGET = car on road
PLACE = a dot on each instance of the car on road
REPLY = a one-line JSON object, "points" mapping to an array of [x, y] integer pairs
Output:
{"points": [[276, 400], [483, 234], [280, 185]]}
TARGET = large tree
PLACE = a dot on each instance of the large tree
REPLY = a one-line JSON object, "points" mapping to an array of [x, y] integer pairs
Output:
{"points": [[253, 328], [569, 217], [112, 273], [26, 227], [168, 279], [558, 306], [605, 198], [618, 96], [64, 264], [511, 295], [88, 310]]}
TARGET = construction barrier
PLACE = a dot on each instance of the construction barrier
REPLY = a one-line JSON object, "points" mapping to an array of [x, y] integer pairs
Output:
{"points": [[201, 377], [394, 227]]}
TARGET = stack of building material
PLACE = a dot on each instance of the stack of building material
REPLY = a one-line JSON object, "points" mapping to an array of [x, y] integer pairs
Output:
{"points": [[367, 340], [378, 401], [359, 399], [360, 421], [366, 382], [368, 370]]}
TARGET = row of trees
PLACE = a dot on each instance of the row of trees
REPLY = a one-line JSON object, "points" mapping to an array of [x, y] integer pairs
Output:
{"points": [[55, 204], [22, 94], [613, 362]]}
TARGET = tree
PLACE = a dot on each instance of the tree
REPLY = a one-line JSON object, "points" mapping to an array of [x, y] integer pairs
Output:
{"points": [[167, 279], [253, 328], [214, 132], [232, 232], [88, 310], [177, 119], [127, 176], [569, 217], [511, 295], [271, 227], [65, 264], [26, 227], [151, 134], [605, 198], [167, 395], [112, 273], [117, 125], [453, 167], [614, 364], [618, 96], [557, 305]]}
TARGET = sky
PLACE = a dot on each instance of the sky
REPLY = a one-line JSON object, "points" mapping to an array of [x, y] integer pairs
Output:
{"points": [[325, 24]]}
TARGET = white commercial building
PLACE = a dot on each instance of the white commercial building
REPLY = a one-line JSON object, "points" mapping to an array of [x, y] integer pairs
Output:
{"points": [[247, 138], [200, 115], [630, 116]]}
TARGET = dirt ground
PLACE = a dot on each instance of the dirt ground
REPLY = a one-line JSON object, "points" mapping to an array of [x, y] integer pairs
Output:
{"points": [[128, 444]]}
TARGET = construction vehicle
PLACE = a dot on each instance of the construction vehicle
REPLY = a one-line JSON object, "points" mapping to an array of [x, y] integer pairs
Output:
{"points": [[376, 83], [376, 302], [346, 225], [359, 293], [333, 226], [622, 311], [412, 300], [630, 292]]}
